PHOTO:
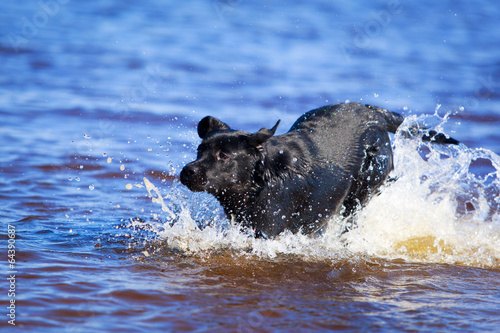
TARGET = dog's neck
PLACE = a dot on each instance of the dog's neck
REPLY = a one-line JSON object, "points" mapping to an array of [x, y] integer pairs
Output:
{"points": [[238, 206], [271, 170], [278, 162], [234, 202]]}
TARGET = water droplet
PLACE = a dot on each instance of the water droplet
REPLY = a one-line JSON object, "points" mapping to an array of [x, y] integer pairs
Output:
{"points": [[128, 186], [375, 95], [86, 136], [70, 178], [294, 159], [281, 151], [77, 179], [109, 159], [104, 154], [122, 167], [81, 166], [91, 187]]}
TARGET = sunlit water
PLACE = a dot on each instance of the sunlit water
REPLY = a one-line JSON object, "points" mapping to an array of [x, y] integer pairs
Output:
{"points": [[99, 106]]}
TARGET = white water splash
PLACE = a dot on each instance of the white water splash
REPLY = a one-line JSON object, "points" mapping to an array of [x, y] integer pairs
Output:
{"points": [[152, 190], [438, 210]]}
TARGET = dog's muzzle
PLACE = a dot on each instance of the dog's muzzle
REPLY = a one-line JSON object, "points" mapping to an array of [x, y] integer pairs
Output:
{"points": [[192, 177]]}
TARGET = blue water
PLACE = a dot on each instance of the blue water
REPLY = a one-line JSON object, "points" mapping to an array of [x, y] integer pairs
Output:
{"points": [[99, 102]]}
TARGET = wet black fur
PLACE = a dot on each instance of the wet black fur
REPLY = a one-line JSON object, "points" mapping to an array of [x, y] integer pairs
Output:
{"points": [[328, 163]]}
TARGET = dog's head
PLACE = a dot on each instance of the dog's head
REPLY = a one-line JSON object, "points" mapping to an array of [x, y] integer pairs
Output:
{"points": [[226, 158]]}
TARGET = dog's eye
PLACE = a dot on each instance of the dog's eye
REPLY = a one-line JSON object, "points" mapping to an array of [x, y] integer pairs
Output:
{"points": [[222, 156]]}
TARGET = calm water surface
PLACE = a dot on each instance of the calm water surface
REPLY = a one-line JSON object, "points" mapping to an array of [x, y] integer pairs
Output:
{"points": [[99, 102]]}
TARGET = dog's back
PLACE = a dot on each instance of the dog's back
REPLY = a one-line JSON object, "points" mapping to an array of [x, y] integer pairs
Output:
{"points": [[341, 133]]}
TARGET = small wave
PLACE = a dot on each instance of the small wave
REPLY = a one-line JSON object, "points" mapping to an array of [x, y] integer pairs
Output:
{"points": [[443, 208]]}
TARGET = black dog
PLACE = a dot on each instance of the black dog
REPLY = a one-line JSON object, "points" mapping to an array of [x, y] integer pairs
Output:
{"points": [[328, 163]]}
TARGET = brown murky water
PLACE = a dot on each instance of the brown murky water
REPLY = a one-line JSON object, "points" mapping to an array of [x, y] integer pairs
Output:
{"points": [[232, 292]]}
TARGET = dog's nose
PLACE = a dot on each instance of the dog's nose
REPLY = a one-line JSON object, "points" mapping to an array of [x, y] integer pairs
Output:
{"points": [[187, 173], [192, 176]]}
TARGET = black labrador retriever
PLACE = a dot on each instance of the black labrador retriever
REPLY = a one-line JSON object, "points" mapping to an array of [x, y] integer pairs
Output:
{"points": [[329, 162]]}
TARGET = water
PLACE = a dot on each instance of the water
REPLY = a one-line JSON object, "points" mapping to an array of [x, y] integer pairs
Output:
{"points": [[99, 105]]}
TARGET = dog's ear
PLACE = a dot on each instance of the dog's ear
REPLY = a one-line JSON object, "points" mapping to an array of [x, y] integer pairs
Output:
{"points": [[263, 135], [209, 124]]}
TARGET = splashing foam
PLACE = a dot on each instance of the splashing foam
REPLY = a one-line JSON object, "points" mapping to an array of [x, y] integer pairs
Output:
{"points": [[438, 210]]}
